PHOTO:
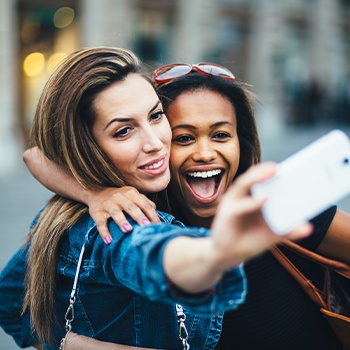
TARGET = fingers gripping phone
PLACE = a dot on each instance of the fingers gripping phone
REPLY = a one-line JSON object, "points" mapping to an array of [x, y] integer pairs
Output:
{"points": [[307, 182]]}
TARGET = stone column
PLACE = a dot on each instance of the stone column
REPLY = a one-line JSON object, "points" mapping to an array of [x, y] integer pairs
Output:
{"points": [[194, 32], [106, 22], [10, 149], [265, 34], [326, 63]]}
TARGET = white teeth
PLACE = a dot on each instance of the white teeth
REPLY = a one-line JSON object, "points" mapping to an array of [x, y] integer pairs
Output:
{"points": [[204, 174], [155, 165]]}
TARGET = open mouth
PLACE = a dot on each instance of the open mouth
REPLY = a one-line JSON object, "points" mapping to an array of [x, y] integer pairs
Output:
{"points": [[204, 184]]}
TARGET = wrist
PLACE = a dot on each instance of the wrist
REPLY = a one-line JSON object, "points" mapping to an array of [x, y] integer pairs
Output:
{"points": [[87, 194], [226, 255]]}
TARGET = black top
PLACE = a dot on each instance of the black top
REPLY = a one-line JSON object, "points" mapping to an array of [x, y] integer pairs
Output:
{"points": [[278, 315]]}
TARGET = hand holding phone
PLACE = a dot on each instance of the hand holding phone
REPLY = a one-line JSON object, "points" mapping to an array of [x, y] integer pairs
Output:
{"points": [[307, 183]]}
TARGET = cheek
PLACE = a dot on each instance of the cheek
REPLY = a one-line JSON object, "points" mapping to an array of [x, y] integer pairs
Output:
{"points": [[166, 139], [232, 155], [177, 157], [174, 169], [165, 134], [236, 155], [121, 155]]}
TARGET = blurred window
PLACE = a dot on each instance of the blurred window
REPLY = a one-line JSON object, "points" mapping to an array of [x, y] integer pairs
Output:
{"points": [[47, 33]]}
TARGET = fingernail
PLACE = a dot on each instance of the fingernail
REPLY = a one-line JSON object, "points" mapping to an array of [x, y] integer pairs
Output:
{"points": [[127, 227], [108, 240], [145, 222]]}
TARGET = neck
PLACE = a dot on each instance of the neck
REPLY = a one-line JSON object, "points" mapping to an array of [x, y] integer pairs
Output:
{"points": [[166, 202], [200, 222], [191, 219]]}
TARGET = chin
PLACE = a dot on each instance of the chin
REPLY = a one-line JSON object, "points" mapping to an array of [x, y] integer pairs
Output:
{"points": [[158, 186], [203, 213]]}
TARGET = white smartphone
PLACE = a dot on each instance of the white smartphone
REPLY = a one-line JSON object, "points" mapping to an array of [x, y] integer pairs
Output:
{"points": [[307, 182]]}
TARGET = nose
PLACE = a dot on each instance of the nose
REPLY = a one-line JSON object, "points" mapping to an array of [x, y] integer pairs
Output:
{"points": [[151, 141], [204, 152]]}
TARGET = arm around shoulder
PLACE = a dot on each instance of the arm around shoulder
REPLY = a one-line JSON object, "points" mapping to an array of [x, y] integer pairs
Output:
{"points": [[53, 177]]}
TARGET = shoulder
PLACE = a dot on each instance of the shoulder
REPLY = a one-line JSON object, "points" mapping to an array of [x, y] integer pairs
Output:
{"points": [[78, 235], [36, 219], [168, 218]]}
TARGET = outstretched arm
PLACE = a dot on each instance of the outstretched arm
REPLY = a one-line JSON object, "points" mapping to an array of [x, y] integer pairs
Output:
{"points": [[239, 232], [103, 204], [336, 244]]}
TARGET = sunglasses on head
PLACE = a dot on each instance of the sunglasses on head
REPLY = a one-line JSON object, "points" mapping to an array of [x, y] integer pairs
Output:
{"points": [[172, 71]]}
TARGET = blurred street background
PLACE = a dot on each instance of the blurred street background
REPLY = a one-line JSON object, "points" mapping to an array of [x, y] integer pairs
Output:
{"points": [[295, 54]]}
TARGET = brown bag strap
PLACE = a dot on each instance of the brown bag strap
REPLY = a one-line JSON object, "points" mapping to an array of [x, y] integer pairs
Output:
{"points": [[338, 266], [305, 283]]}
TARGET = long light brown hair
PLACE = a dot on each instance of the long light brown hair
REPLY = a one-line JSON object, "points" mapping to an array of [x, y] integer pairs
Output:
{"points": [[62, 131]]}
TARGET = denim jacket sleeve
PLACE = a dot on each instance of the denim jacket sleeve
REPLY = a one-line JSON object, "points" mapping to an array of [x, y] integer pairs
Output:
{"points": [[12, 291], [135, 261]]}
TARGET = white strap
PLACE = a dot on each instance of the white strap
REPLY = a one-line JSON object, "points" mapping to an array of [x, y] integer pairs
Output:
{"points": [[183, 334], [77, 272]]}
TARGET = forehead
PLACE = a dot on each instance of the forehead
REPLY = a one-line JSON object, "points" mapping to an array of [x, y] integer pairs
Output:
{"points": [[131, 96], [201, 105]]}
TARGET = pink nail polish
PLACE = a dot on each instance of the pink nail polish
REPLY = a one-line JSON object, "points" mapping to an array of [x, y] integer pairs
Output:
{"points": [[108, 240], [127, 227], [145, 222]]}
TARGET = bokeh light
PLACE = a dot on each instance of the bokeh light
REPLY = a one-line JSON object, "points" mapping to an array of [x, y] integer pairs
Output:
{"points": [[63, 17], [33, 64]]}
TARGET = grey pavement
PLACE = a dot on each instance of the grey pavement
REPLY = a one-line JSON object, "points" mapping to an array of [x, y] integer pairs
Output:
{"points": [[21, 196]]}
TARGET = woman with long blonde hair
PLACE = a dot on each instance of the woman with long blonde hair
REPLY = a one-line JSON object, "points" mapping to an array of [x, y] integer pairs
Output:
{"points": [[100, 119]]}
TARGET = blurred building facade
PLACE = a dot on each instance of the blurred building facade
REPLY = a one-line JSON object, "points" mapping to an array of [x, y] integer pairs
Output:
{"points": [[295, 53]]}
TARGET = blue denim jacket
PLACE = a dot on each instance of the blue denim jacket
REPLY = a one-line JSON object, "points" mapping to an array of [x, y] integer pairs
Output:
{"points": [[123, 293]]}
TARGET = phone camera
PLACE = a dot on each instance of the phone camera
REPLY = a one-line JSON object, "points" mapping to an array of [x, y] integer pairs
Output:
{"points": [[346, 161]]}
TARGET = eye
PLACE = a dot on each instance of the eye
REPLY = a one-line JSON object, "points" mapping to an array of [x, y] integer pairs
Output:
{"points": [[183, 139], [157, 116], [121, 133], [221, 135]]}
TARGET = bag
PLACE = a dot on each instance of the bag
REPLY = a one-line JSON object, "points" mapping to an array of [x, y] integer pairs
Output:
{"points": [[73, 341], [334, 299]]}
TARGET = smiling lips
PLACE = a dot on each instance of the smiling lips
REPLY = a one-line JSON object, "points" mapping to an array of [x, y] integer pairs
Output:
{"points": [[204, 184], [156, 167]]}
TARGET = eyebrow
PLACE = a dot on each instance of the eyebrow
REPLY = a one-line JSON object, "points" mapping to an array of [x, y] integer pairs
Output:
{"points": [[190, 126], [121, 119]]}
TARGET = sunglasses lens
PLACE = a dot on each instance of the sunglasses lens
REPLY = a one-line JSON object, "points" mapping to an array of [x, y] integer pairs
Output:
{"points": [[216, 70], [171, 72]]}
